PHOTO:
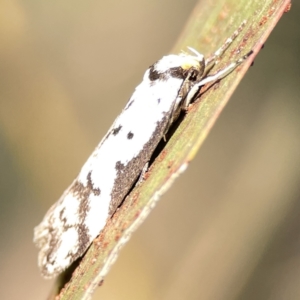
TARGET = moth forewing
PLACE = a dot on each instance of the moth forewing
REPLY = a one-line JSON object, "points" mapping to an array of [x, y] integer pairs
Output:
{"points": [[80, 214]]}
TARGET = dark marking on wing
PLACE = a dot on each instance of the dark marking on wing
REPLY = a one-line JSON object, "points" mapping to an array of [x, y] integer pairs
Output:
{"points": [[61, 215], [176, 72], [96, 191], [115, 131], [129, 104], [130, 135], [119, 166], [127, 174], [153, 73], [54, 241], [83, 193], [84, 237]]}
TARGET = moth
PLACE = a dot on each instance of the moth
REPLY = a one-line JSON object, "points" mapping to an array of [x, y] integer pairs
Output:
{"points": [[167, 88]]}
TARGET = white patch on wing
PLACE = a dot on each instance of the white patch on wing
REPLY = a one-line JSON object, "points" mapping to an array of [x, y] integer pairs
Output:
{"points": [[68, 209], [96, 217], [69, 240]]}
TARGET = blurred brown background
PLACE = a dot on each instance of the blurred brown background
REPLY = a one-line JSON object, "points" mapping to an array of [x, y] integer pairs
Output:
{"points": [[228, 228]]}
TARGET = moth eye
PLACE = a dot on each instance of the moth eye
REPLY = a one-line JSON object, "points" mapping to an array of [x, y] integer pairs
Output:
{"points": [[194, 75]]}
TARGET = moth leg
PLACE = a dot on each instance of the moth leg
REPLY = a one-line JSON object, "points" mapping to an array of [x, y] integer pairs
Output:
{"points": [[213, 60], [182, 95], [224, 72], [186, 88], [217, 76], [142, 175], [184, 91]]}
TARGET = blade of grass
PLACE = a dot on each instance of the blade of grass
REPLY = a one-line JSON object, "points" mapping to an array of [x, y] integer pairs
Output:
{"points": [[208, 27]]}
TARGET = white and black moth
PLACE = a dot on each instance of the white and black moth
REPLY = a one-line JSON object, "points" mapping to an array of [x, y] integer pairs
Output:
{"points": [[168, 87]]}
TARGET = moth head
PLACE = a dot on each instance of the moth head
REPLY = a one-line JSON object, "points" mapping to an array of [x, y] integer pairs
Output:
{"points": [[193, 64], [195, 61], [178, 66]]}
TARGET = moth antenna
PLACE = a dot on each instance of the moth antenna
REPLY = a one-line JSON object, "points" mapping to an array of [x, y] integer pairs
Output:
{"points": [[197, 54]]}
